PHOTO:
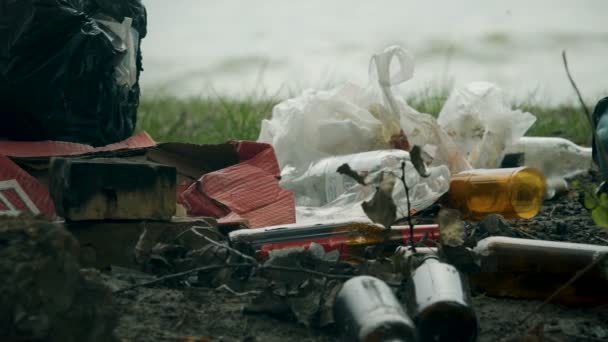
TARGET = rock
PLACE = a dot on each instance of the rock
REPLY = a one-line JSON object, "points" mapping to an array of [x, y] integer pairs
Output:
{"points": [[44, 296]]}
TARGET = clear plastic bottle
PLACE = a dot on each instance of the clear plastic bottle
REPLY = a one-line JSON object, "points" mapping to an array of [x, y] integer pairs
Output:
{"points": [[321, 184], [533, 269], [366, 310], [556, 158], [511, 192], [439, 301]]}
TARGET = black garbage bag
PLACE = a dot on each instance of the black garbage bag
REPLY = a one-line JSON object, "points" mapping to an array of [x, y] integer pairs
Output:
{"points": [[69, 69]]}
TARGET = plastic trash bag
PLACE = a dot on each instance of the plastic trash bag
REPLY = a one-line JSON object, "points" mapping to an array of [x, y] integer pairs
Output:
{"points": [[351, 119], [69, 69], [481, 124]]}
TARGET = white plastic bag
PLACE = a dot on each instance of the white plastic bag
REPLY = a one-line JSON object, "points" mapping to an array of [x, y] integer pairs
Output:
{"points": [[481, 124], [351, 119]]}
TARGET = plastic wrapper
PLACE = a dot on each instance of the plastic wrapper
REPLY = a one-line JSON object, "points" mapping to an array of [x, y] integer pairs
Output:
{"points": [[481, 124], [69, 69], [324, 194]]}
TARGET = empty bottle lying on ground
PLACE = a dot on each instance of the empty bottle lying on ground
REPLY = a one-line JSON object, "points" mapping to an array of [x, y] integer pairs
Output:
{"points": [[439, 301], [510, 192], [366, 310], [534, 269], [557, 158], [349, 237]]}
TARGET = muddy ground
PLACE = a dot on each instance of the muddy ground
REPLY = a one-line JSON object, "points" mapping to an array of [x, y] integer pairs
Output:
{"points": [[207, 314]]}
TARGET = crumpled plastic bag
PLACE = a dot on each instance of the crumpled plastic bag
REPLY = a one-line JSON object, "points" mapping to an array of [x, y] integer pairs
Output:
{"points": [[69, 69], [481, 124], [351, 119]]}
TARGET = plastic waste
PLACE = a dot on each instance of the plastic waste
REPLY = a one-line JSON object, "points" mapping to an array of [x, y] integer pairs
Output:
{"points": [[348, 237], [322, 193], [69, 69], [533, 269], [351, 119], [438, 299], [510, 192], [556, 158], [481, 123], [366, 310]]}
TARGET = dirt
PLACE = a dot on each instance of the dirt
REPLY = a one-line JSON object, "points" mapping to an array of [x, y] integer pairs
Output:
{"points": [[44, 295], [181, 311]]}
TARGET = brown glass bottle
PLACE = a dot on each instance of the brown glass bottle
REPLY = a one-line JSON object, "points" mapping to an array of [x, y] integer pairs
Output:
{"points": [[534, 269], [366, 310], [512, 193], [439, 301]]}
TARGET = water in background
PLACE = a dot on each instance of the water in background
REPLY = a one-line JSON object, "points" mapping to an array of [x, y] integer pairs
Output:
{"points": [[238, 48]]}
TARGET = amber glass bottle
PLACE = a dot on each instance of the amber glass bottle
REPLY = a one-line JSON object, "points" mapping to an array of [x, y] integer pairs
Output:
{"points": [[512, 193], [534, 269]]}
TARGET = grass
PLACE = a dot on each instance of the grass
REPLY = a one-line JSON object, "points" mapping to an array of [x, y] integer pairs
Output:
{"points": [[217, 119]]}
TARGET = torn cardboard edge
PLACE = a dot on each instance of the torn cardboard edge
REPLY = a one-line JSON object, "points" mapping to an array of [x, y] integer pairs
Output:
{"points": [[225, 165]]}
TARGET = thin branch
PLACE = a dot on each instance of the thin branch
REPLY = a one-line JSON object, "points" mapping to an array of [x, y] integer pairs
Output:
{"points": [[181, 274], [578, 274], [409, 207], [578, 93], [305, 270], [601, 239], [230, 249], [237, 294], [215, 267]]}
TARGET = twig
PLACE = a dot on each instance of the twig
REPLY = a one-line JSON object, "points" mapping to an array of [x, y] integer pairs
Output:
{"points": [[522, 232], [305, 270], [578, 93], [552, 210], [181, 274], [214, 267], [578, 274], [238, 294], [409, 207], [601, 239], [230, 249]]}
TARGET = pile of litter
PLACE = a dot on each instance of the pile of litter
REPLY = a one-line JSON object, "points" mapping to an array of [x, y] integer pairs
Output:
{"points": [[353, 215]]}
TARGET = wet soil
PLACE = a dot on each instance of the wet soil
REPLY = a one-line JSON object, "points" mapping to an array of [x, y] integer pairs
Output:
{"points": [[175, 311], [204, 314]]}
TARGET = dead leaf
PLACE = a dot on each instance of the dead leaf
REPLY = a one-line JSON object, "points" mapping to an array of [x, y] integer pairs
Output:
{"points": [[451, 227], [381, 208], [417, 156], [345, 169]]}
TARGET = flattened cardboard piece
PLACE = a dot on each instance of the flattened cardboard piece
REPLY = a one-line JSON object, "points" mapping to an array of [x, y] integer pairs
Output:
{"points": [[21, 193], [47, 149], [248, 190], [192, 160]]}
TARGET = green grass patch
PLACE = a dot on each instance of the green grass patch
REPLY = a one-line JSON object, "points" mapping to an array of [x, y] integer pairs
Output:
{"points": [[217, 119]]}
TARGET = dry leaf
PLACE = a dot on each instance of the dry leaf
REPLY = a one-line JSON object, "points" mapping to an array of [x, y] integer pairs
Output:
{"points": [[451, 227], [345, 169], [417, 156], [381, 208]]}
